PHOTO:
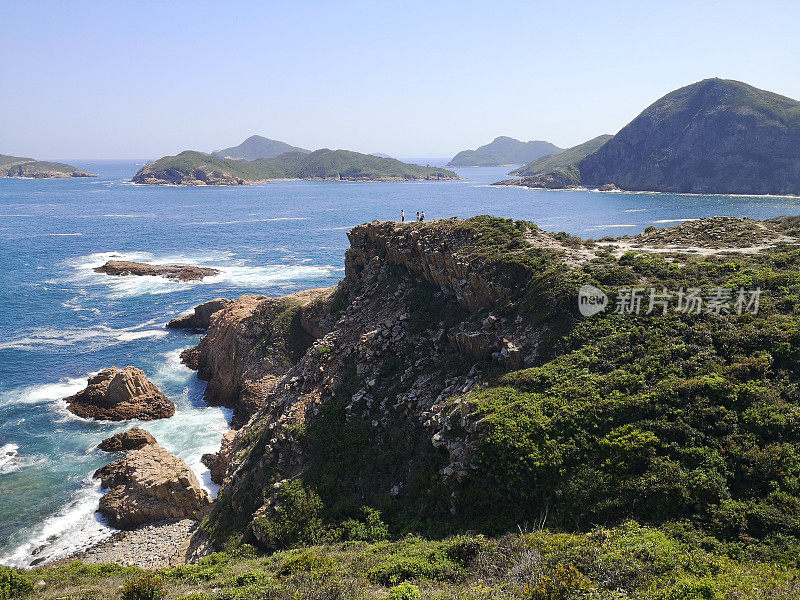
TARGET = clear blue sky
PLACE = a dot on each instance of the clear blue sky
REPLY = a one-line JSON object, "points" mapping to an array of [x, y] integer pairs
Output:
{"points": [[113, 79]]}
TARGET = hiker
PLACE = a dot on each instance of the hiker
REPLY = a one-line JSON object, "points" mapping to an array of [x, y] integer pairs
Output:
{"points": [[422, 217], [402, 216], [417, 216]]}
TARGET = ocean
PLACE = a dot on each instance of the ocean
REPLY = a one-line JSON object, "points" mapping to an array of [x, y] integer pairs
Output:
{"points": [[60, 321]]}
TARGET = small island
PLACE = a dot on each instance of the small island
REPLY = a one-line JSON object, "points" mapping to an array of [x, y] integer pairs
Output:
{"points": [[30, 168], [197, 168], [504, 150]]}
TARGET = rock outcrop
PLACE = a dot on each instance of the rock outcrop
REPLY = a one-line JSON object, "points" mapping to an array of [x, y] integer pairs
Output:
{"points": [[201, 317], [119, 394], [239, 377], [133, 439], [179, 272], [149, 485]]}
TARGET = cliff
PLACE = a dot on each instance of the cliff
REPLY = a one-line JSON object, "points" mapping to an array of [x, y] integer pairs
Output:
{"points": [[196, 168], [17, 166], [503, 151], [450, 383]]}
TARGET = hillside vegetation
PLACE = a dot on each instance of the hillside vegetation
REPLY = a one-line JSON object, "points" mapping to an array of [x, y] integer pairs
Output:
{"points": [[567, 160], [256, 147], [503, 151], [195, 168], [18, 166]]}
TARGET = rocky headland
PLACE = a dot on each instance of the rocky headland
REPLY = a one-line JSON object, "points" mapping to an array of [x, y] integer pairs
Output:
{"points": [[120, 394], [178, 272], [200, 318], [449, 385]]}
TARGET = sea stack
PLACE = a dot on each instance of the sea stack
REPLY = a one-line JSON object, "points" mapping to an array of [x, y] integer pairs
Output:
{"points": [[119, 394]]}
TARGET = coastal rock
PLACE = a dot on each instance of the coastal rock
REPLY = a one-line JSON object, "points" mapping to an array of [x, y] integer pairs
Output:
{"points": [[179, 272], [201, 317], [119, 394], [238, 377], [133, 439], [218, 462], [149, 485]]}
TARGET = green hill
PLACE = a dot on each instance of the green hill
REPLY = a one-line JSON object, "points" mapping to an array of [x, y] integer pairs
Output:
{"points": [[503, 151], [196, 168], [256, 147], [18, 166], [567, 159], [714, 136]]}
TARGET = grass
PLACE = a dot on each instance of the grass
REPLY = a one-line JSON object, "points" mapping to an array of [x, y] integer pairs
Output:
{"points": [[628, 561]]}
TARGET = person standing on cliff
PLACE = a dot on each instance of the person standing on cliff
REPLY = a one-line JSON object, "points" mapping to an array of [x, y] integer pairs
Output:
{"points": [[417, 216], [402, 216], [422, 217]]}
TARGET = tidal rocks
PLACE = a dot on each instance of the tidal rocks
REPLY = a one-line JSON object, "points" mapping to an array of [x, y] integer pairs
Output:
{"points": [[201, 317], [118, 394], [179, 272], [150, 484], [133, 439]]}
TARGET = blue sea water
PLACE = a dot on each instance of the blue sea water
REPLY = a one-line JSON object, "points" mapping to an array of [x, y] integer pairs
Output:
{"points": [[61, 322]]}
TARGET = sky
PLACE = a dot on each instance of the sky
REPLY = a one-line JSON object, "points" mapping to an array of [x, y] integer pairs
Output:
{"points": [[114, 79]]}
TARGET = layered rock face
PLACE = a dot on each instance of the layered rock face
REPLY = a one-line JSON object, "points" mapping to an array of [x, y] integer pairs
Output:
{"points": [[410, 328], [149, 485], [715, 136], [249, 344], [133, 439], [201, 317], [119, 394], [179, 272]]}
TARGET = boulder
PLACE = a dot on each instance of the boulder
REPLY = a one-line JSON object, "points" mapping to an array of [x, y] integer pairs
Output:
{"points": [[150, 484], [133, 439], [179, 272], [201, 317], [118, 394]]}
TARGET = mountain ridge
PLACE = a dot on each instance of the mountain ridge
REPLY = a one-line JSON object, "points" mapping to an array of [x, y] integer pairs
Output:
{"points": [[503, 150]]}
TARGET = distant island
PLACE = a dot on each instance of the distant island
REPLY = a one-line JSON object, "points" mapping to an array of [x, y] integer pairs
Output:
{"points": [[716, 136], [503, 151], [30, 168], [197, 168], [256, 147]]}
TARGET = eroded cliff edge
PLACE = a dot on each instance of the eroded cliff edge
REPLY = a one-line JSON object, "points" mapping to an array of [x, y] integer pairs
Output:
{"points": [[449, 383]]}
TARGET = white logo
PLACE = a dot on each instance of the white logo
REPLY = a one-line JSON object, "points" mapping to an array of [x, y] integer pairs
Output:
{"points": [[591, 300]]}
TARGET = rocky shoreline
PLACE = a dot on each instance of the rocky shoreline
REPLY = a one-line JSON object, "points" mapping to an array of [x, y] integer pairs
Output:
{"points": [[178, 272]]}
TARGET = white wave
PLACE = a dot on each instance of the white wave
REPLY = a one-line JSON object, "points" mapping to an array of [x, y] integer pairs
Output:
{"points": [[128, 216], [9, 461], [87, 337], [73, 528], [42, 393], [64, 234], [138, 335], [674, 220], [237, 222], [270, 274], [632, 210], [609, 226]]}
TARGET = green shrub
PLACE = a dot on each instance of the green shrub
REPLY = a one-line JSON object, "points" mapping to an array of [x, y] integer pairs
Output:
{"points": [[404, 591], [146, 587], [297, 519], [14, 584], [416, 560], [306, 560]]}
